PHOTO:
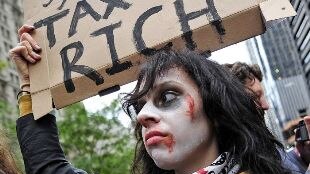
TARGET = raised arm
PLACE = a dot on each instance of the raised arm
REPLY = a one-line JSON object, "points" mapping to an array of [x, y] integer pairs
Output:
{"points": [[38, 139]]}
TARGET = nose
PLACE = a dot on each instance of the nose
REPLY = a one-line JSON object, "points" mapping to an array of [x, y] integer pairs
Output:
{"points": [[264, 104], [148, 116]]}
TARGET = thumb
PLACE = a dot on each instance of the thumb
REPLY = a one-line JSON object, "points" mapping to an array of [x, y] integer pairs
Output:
{"points": [[307, 123]]}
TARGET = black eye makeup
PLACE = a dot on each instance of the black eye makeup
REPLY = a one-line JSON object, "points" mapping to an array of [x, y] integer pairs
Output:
{"points": [[166, 98]]}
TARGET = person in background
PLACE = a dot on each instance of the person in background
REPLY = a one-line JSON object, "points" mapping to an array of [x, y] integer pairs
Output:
{"points": [[7, 161], [251, 77], [191, 116]]}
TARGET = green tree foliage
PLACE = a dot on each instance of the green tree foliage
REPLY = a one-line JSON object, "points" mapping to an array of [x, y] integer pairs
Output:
{"points": [[96, 142], [3, 64], [8, 115]]}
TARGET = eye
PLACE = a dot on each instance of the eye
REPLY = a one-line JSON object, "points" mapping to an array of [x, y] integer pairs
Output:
{"points": [[167, 97], [258, 95]]}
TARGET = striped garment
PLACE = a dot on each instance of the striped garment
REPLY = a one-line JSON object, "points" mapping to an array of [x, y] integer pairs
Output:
{"points": [[221, 166]]}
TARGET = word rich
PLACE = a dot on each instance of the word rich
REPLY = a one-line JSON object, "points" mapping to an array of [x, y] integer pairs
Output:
{"points": [[83, 8]]}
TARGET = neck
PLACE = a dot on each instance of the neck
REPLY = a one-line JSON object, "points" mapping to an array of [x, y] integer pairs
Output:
{"points": [[200, 160]]}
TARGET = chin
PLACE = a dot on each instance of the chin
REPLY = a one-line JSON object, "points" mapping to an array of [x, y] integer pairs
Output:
{"points": [[164, 160], [164, 164]]}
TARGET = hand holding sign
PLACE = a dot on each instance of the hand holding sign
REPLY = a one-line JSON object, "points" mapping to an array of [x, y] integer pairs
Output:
{"points": [[25, 52]]}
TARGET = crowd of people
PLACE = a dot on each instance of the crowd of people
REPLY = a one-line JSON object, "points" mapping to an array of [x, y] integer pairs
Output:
{"points": [[191, 115]]}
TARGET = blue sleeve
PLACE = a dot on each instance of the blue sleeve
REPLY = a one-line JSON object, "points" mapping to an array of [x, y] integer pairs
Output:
{"points": [[290, 161], [40, 146]]}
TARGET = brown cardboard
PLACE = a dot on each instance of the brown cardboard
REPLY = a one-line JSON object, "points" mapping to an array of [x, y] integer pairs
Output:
{"points": [[229, 22]]}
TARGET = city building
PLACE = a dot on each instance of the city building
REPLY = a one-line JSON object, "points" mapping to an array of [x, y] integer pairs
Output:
{"points": [[300, 30], [274, 113], [281, 51], [279, 58], [11, 18]]}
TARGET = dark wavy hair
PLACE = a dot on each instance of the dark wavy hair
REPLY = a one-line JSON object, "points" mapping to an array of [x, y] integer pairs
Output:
{"points": [[227, 105], [7, 157], [244, 71]]}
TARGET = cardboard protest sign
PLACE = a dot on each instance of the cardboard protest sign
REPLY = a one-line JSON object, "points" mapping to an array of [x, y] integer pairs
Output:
{"points": [[94, 46]]}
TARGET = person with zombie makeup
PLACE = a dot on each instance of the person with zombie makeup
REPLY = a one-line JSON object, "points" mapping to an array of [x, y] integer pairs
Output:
{"points": [[191, 116], [250, 76], [191, 111]]}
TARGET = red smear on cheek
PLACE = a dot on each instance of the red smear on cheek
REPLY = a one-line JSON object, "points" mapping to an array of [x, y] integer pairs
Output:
{"points": [[190, 104], [169, 142]]}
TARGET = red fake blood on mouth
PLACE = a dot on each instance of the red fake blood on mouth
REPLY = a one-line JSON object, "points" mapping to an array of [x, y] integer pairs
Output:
{"points": [[190, 103], [202, 171], [169, 142]]}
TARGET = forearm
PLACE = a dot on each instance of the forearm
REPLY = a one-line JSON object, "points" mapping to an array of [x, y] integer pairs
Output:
{"points": [[39, 143], [38, 138]]}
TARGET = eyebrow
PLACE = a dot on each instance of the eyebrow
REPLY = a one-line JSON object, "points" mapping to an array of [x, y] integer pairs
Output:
{"points": [[169, 83], [160, 86]]}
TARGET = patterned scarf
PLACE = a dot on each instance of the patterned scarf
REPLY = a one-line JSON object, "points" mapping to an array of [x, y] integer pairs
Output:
{"points": [[221, 166]]}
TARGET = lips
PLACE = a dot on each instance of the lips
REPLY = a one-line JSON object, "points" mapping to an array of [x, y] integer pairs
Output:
{"points": [[154, 137]]}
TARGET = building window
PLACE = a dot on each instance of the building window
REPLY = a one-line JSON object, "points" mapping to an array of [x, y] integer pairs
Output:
{"points": [[2, 31], [12, 77], [15, 92], [305, 42], [5, 33], [17, 26], [5, 46], [8, 34], [5, 19], [307, 59], [17, 79], [2, 4]]}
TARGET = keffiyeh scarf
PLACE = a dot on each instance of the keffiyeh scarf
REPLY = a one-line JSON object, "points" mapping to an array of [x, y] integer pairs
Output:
{"points": [[221, 166]]}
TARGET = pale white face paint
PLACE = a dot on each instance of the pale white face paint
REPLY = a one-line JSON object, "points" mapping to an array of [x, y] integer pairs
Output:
{"points": [[176, 132]]}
